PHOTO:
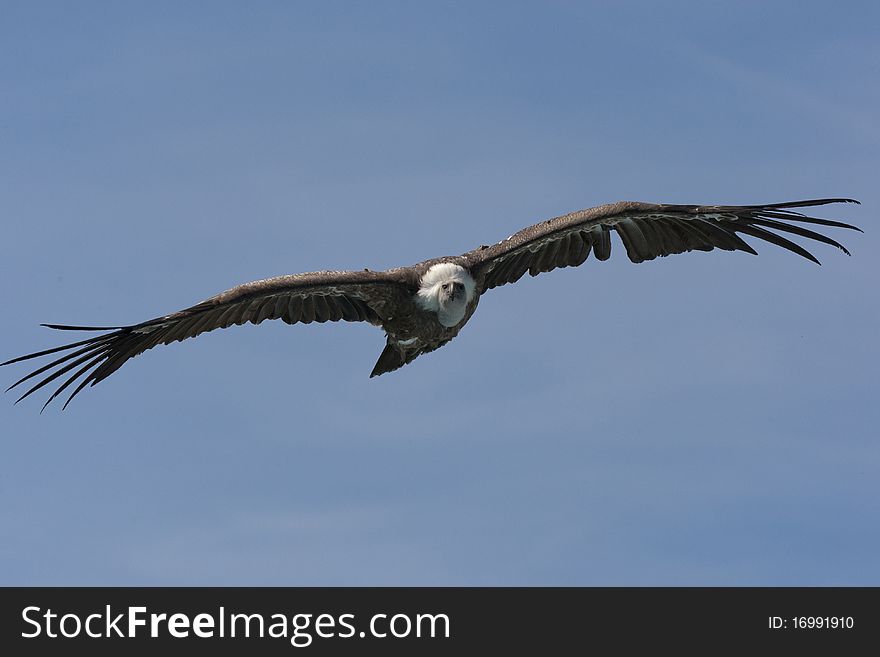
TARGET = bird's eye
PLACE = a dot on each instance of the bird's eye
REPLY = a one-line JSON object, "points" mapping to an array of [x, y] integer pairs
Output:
{"points": [[446, 286]]}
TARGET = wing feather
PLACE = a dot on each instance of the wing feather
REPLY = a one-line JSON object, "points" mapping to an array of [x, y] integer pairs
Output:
{"points": [[70, 380], [264, 310], [778, 240], [647, 231], [307, 314], [601, 239], [322, 310], [544, 259], [581, 250], [294, 310], [336, 313], [347, 309], [798, 230], [633, 239]]}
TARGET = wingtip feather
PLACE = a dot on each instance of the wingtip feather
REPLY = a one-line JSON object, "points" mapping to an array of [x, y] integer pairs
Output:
{"points": [[68, 327]]}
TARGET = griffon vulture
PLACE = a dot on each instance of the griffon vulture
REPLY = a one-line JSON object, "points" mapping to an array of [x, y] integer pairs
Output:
{"points": [[424, 306]]}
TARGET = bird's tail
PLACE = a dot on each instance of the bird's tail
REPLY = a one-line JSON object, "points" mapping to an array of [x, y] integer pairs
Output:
{"points": [[392, 358], [395, 355]]}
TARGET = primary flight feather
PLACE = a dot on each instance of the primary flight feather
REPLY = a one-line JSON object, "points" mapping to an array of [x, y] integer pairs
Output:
{"points": [[424, 306]]}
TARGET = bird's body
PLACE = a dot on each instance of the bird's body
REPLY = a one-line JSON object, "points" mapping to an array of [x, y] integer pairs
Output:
{"points": [[424, 306]]}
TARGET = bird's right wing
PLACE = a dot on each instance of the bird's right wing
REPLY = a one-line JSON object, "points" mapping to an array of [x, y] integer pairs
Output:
{"points": [[300, 298]]}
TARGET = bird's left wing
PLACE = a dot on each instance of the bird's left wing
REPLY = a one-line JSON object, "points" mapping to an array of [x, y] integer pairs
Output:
{"points": [[647, 230], [300, 298]]}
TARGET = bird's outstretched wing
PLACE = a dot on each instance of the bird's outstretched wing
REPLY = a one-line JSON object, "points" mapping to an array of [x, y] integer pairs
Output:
{"points": [[647, 230], [315, 297]]}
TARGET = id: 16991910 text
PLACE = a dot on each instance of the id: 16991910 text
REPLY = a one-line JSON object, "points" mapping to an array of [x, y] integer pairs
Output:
{"points": [[810, 623]]}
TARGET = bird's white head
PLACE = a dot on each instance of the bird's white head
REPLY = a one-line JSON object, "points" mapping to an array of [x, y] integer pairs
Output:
{"points": [[446, 289]]}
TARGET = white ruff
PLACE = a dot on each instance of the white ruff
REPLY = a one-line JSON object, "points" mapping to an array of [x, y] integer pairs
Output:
{"points": [[431, 284]]}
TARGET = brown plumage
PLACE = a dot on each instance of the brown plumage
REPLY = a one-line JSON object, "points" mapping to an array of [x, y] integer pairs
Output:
{"points": [[424, 306]]}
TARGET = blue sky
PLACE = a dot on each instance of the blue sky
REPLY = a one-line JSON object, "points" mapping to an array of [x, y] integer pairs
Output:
{"points": [[705, 419]]}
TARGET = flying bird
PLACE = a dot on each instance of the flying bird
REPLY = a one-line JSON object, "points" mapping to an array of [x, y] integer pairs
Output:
{"points": [[424, 306]]}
